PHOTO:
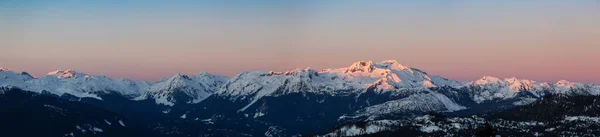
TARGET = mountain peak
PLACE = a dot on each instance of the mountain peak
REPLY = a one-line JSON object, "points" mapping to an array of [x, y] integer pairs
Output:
{"points": [[390, 61], [3, 69], [298, 71], [25, 74], [64, 73], [512, 79], [60, 72], [211, 76], [487, 80], [521, 81], [179, 76], [194, 89], [362, 66], [370, 66], [565, 83], [203, 74], [392, 64]]}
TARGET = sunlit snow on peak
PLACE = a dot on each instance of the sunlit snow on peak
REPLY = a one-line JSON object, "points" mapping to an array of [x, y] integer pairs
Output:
{"points": [[64, 73], [3, 69]]}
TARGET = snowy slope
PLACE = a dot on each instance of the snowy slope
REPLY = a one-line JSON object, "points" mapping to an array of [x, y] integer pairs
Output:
{"points": [[567, 87], [196, 88], [84, 85], [420, 102], [491, 88], [392, 77], [59, 82], [382, 77], [369, 128], [558, 115], [386, 76], [11, 79]]}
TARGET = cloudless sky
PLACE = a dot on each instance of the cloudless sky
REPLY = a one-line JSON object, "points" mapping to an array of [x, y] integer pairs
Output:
{"points": [[464, 40]]}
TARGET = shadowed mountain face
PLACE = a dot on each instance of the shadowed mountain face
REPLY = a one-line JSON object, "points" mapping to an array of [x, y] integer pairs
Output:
{"points": [[32, 114], [279, 103], [552, 115]]}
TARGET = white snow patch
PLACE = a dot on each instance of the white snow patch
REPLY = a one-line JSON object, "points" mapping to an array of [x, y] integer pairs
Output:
{"points": [[107, 122], [121, 122], [258, 114], [208, 121], [370, 128], [352, 131], [163, 101], [583, 118], [456, 125], [80, 129], [347, 117], [374, 129], [430, 128], [95, 129]]}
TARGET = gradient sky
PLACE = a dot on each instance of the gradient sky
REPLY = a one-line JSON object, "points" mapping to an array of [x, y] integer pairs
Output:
{"points": [[543, 40]]}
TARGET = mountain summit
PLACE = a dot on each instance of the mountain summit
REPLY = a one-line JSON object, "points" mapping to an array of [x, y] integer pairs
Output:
{"points": [[183, 88], [3, 69], [65, 73]]}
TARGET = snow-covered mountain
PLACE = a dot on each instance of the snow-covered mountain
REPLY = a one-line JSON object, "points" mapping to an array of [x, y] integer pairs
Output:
{"points": [[420, 102], [492, 88], [84, 85], [380, 90], [183, 88], [364, 90], [386, 76], [383, 77], [79, 84], [554, 115], [10, 78]]}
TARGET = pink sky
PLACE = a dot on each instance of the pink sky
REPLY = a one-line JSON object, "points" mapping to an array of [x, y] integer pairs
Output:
{"points": [[542, 41]]}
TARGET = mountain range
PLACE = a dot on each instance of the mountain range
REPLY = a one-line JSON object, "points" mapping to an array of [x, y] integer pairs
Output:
{"points": [[301, 102]]}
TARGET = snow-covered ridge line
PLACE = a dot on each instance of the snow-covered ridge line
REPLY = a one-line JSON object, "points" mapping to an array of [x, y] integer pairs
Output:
{"points": [[496, 88], [83, 85], [197, 88], [388, 77], [385, 76]]}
